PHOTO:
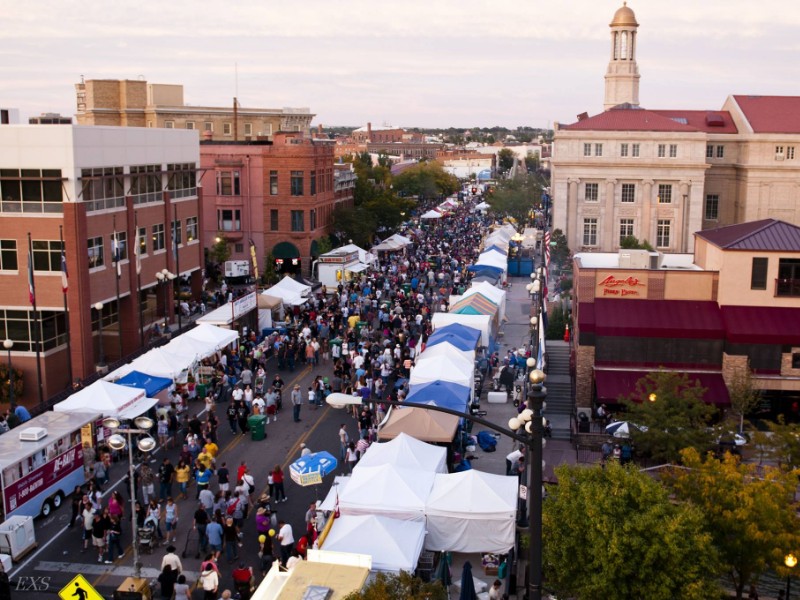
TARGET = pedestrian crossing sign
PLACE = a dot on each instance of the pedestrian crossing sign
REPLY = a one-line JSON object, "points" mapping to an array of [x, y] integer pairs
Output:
{"points": [[79, 589]]}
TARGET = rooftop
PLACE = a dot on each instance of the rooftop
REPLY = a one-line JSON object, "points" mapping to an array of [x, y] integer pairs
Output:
{"points": [[771, 114], [629, 119], [610, 260], [764, 235]]}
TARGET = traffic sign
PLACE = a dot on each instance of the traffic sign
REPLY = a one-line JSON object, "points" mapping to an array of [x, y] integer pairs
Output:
{"points": [[79, 589]]}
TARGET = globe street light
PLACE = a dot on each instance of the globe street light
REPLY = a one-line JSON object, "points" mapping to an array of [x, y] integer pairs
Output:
{"points": [[8, 344], [790, 560], [99, 308], [145, 444]]}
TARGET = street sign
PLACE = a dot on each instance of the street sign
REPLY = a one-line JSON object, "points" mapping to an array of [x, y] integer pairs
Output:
{"points": [[79, 589]]}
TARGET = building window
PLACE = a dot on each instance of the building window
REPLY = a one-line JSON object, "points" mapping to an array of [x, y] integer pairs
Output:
{"points": [[102, 188], [662, 150], [635, 150], [95, 252], [297, 183], [625, 229], [248, 129], [591, 192], [177, 237], [313, 190], [31, 190], [8, 255], [779, 153], [191, 229], [190, 125], [796, 360], [238, 248], [208, 126], [663, 227], [312, 219], [20, 327], [665, 193], [623, 149], [758, 273], [159, 243], [142, 241], [712, 207], [169, 124], [720, 151], [146, 184], [46, 255], [628, 192], [587, 149], [120, 247], [788, 277], [273, 219], [182, 180], [229, 219], [297, 220], [107, 317], [789, 152], [673, 150], [226, 129], [228, 183], [598, 149], [709, 151], [273, 183], [590, 232]]}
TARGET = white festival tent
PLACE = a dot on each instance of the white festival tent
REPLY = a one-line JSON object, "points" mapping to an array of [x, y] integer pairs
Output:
{"points": [[482, 323], [492, 292], [159, 363], [442, 368], [289, 290], [431, 214], [398, 239], [449, 350], [482, 206], [387, 490], [493, 259], [110, 399], [216, 337], [406, 451], [394, 545], [364, 257], [472, 511]]}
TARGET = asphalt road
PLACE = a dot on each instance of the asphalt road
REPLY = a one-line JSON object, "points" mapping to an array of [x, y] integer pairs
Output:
{"points": [[59, 558]]}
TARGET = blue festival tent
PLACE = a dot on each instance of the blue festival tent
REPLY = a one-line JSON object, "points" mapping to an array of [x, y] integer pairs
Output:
{"points": [[310, 469], [451, 338], [150, 384], [463, 331], [480, 269], [445, 394]]}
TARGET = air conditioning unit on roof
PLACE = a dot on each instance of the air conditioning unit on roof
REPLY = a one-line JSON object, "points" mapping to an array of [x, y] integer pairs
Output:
{"points": [[32, 434]]}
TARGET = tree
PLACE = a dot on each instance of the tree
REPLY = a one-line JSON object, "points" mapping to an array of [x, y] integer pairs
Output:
{"points": [[532, 161], [560, 254], [515, 198], [426, 180], [5, 382], [671, 407], [556, 323], [748, 511], [631, 242], [404, 585], [355, 224], [784, 443], [743, 394], [614, 533], [324, 244], [269, 276], [220, 251], [505, 159]]}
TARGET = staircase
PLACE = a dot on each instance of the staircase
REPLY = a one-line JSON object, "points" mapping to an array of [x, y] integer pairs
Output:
{"points": [[559, 389]]}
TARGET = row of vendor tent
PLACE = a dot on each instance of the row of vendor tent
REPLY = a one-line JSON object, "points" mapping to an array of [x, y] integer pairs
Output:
{"points": [[393, 243], [109, 399], [400, 499], [288, 290], [489, 292]]}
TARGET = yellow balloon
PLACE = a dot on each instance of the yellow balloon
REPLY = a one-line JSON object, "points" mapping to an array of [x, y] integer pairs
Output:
{"points": [[271, 532], [262, 538]]}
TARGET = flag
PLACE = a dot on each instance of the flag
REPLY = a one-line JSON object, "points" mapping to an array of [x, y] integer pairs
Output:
{"points": [[31, 287], [137, 253], [546, 250], [64, 274], [116, 253], [253, 256]]}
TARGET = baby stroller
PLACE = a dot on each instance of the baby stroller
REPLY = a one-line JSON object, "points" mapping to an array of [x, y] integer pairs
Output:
{"points": [[146, 539]]}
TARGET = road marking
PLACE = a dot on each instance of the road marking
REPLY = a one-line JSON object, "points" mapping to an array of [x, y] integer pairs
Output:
{"points": [[100, 569]]}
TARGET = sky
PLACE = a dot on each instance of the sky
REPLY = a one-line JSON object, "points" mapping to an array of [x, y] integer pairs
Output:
{"points": [[415, 63]]}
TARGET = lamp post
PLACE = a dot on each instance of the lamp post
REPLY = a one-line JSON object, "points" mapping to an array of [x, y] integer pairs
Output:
{"points": [[101, 363], [790, 560], [145, 444], [8, 344], [164, 277], [534, 441]]}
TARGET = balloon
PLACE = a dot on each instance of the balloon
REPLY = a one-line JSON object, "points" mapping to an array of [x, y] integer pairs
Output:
{"points": [[262, 538], [271, 533]]}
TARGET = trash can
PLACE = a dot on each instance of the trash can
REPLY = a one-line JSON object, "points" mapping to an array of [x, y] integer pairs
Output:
{"points": [[407, 288], [201, 390], [257, 425]]}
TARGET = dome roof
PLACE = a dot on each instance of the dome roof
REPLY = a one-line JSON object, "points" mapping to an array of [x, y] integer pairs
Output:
{"points": [[624, 17]]}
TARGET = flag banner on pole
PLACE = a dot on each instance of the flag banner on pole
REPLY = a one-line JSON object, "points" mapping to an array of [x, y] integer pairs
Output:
{"points": [[255, 260], [116, 253], [138, 254], [546, 249], [31, 286], [64, 274]]}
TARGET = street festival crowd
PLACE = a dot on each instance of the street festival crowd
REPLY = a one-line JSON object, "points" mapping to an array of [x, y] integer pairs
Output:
{"points": [[364, 334]]}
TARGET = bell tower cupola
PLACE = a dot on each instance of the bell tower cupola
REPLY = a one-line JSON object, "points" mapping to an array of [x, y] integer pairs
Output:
{"points": [[622, 76]]}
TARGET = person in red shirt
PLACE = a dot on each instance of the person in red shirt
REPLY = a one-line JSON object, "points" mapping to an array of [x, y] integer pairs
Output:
{"points": [[242, 581], [241, 471]]}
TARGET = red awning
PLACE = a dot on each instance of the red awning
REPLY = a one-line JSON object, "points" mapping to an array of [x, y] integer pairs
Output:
{"points": [[586, 319], [686, 319], [762, 325], [613, 384]]}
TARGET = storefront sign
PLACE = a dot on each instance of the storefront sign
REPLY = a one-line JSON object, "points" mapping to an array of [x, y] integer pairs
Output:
{"points": [[243, 305], [623, 286]]}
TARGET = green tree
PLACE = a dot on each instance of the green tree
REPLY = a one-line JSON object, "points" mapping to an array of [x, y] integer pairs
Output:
{"points": [[532, 161], [556, 324], [515, 198], [614, 533], [784, 443], [324, 244], [505, 159], [426, 180], [403, 586], [748, 512], [670, 405], [268, 275], [743, 393], [355, 224], [220, 251], [5, 383], [560, 254], [631, 242]]}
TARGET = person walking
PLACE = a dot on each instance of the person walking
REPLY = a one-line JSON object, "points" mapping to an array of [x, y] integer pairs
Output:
{"points": [[286, 539], [297, 402], [209, 581], [277, 484]]}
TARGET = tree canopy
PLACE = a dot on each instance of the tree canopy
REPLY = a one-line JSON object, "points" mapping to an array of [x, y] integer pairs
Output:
{"points": [[614, 533], [404, 585], [426, 180], [505, 159], [516, 198]]}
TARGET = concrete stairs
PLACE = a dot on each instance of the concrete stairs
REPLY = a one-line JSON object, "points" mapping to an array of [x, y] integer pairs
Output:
{"points": [[559, 389]]}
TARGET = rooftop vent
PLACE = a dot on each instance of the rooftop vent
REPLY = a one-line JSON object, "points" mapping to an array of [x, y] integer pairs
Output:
{"points": [[32, 434], [715, 120]]}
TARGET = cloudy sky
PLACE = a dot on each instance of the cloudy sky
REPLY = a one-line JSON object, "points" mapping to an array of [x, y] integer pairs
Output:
{"points": [[429, 63]]}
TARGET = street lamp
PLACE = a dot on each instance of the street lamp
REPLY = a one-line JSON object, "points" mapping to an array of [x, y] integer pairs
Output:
{"points": [[8, 344], [164, 277], [145, 444], [101, 363], [790, 560]]}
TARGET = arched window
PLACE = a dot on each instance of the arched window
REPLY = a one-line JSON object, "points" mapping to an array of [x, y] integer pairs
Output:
{"points": [[623, 50]]}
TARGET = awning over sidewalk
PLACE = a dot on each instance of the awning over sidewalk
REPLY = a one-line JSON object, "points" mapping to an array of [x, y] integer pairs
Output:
{"points": [[686, 319], [611, 385], [762, 325]]}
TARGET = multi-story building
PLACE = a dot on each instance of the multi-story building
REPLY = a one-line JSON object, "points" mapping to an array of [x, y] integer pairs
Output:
{"points": [[136, 103], [9, 116], [662, 175], [50, 119], [734, 303], [466, 165], [118, 206], [279, 194]]}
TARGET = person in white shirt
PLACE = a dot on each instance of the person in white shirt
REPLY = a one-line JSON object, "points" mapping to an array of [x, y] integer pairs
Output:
{"points": [[286, 539], [258, 405], [512, 458]]}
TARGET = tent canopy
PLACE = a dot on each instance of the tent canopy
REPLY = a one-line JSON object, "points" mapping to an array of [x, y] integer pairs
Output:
{"points": [[493, 293], [268, 302], [151, 385], [484, 270], [393, 544], [472, 511], [289, 290], [363, 256], [441, 393], [451, 339], [480, 322], [161, 363], [449, 349], [408, 452], [218, 337], [479, 302], [110, 399], [425, 425], [471, 334], [388, 490], [431, 214], [442, 368]]}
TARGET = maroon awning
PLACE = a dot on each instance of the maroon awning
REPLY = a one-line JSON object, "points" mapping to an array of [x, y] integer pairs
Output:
{"points": [[611, 385], [762, 325], [586, 319], [686, 319]]}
